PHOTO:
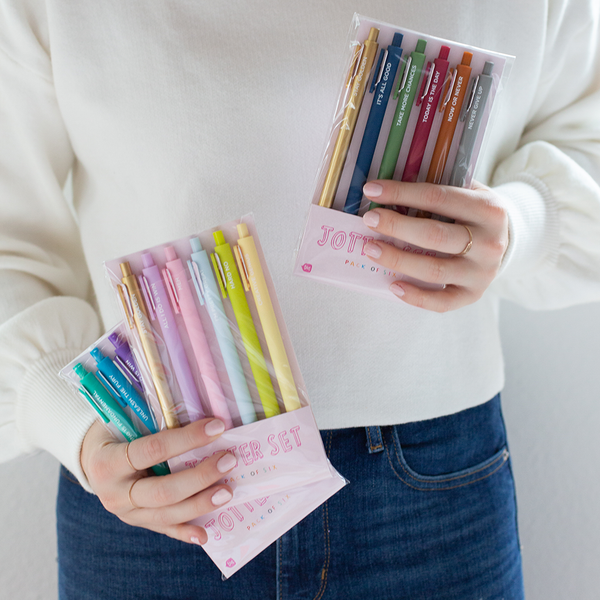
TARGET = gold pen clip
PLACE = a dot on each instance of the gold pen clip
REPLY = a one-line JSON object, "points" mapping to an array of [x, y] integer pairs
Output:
{"points": [[126, 302], [148, 297], [168, 278], [216, 261], [450, 83], [358, 51], [242, 267]]}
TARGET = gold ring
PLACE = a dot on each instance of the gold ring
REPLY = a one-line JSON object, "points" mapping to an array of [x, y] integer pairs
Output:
{"points": [[127, 456], [466, 248], [129, 495]]}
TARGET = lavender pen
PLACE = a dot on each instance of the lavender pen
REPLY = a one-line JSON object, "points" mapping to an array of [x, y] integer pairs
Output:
{"points": [[124, 357], [153, 287]]}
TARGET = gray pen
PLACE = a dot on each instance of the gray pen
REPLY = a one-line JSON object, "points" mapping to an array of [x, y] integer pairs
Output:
{"points": [[472, 115]]}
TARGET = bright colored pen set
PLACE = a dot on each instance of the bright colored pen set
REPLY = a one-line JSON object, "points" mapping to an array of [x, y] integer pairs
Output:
{"points": [[418, 86]]}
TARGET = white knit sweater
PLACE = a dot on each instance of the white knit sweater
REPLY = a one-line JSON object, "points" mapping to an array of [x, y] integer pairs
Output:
{"points": [[177, 116]]}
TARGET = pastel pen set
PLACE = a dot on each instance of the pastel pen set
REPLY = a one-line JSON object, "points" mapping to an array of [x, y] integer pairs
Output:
{"points": [[205, 351], [431, 89]]}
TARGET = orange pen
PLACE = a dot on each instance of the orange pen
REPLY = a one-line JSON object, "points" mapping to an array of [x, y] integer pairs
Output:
{"points": [[453, 101]]}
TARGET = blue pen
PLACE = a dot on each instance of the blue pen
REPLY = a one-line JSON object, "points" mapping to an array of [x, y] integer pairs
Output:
{"points": [[389, 61], [125, 392]]}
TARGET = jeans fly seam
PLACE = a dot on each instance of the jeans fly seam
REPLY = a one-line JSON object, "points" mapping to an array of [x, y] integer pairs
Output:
{"points": [[323, 586], [503, 456]]}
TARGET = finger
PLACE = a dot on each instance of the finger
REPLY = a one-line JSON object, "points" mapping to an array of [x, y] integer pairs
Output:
{"points": [[184, 532], [147, 451], [426, 233], [441, 301], [426, 268], [191, 508], [452, 202], [154, 492]]}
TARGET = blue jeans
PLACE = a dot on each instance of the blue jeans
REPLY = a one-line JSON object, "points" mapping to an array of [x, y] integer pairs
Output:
{"points": [[429, 514]]}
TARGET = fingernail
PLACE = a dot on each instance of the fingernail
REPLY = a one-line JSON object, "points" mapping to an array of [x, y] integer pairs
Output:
{"points": [[397, 289], [372, 250], [371, 218], [226, 463], [372, 190], [221, 497], [213, 428], [195, 540]]}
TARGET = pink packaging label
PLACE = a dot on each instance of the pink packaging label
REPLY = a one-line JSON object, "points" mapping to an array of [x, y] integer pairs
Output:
{"points": [[332, 250], [236, 534], [274, 455]]}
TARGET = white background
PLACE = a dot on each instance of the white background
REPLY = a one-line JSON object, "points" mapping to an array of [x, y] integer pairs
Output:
{"points": [[552, 410]]}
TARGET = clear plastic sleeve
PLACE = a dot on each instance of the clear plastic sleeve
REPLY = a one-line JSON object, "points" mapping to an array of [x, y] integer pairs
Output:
{"points": [[411, 107]]}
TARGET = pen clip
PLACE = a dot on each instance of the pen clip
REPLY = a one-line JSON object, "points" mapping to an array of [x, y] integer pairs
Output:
{"points": [[197, 281], [450, 86], [94, 404], [119, 364], [358, 51], [148, 297], [111, 388], [468, 105], [402, 80], [216, 261], [426, 83], [379, 69], [242, 267], [170, 284], [126, 301]]}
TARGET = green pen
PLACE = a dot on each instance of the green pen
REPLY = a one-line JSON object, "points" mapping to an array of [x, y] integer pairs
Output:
{"points": [[408, 82], [109, 410], [229, 281]]}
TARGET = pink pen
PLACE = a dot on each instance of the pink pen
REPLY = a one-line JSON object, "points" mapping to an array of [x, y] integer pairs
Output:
{"points": [[429, 98], [175, 276], [160, 310]]}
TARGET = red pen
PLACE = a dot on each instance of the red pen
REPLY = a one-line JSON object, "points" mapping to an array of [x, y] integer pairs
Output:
{"points": [[431, 91]]}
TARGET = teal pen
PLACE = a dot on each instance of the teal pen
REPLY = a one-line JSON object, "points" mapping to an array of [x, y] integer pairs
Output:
{"points": [[207, 290], [108, 408]]}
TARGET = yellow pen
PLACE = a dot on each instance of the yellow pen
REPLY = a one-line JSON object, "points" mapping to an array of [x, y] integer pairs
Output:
{"points": [[141, 321], [358, 80], [253, 279]]}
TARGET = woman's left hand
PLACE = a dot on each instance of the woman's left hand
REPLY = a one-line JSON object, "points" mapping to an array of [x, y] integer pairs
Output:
{"points": [[467, 273]]}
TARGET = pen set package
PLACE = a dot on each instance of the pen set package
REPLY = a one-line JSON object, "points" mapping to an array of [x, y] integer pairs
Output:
{"points": [[203, 336], [413, 108]]}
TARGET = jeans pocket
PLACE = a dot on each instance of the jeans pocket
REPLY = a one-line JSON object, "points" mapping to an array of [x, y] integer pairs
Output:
{"points": [[449, 452]]}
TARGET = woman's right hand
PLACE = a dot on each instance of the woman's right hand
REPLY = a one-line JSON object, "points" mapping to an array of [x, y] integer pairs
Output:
{"points": [[162, 504]]}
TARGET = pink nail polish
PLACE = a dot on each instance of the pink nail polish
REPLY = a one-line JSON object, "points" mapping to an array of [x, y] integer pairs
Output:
{"points": [[397, 289], [372, 250], [213, 428], [196, 541], [372, 190], [221, 497], [226, 463], [371, 218]]}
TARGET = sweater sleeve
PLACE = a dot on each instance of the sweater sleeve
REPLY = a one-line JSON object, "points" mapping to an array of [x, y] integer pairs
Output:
{"points": [[45, 320], [550, 185]]}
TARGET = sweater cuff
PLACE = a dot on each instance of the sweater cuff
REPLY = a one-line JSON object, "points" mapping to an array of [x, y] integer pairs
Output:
{"points": [[59, 423], [533, 226]]}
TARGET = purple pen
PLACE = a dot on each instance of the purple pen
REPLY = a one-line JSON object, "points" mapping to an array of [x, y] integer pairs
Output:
{"points": [[160, 309], [125, 360]]}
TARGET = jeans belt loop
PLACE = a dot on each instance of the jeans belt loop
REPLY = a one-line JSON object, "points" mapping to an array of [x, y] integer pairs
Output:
{"points": [[374, 439]]}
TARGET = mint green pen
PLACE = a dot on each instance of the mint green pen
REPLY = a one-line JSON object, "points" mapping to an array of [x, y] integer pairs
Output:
{"points": [[108, 408], [230, 282], [408, 83]]}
